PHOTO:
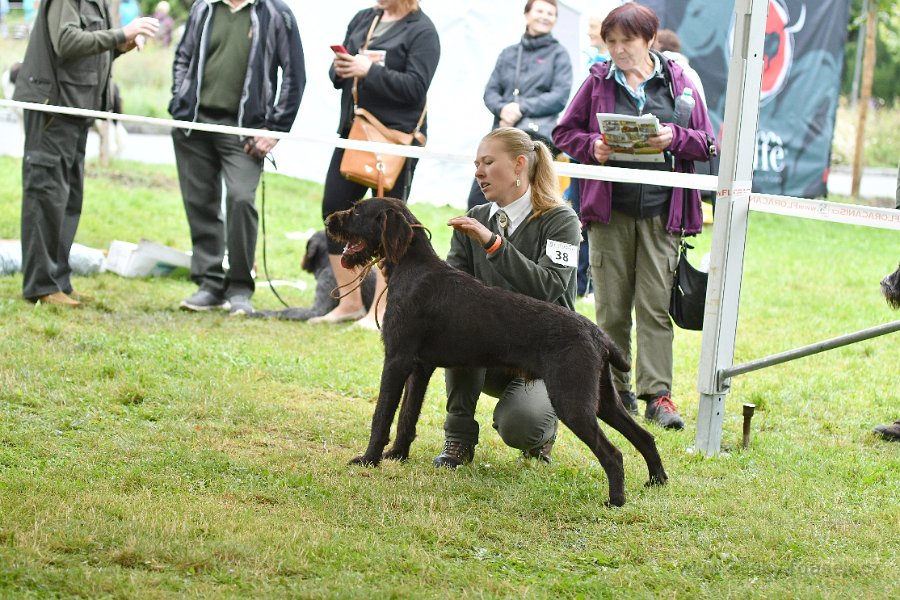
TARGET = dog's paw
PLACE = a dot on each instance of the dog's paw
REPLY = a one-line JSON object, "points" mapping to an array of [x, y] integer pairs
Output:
{"points": [[657, 480], [364, 461], [614, 502], [393, 454]]}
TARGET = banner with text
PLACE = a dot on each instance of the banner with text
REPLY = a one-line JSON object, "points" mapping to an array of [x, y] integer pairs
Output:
{"points": [[804, 52]]}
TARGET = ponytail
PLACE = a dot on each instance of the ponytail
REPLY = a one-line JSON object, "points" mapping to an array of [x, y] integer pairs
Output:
{"points": [[545, 194]]}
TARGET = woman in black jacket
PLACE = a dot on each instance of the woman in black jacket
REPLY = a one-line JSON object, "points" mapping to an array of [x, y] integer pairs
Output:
{"points": [[531, 81], [393, 77]]}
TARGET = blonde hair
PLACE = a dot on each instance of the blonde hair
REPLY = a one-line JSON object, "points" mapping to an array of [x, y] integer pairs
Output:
{"points": [[544, 183], [409, 6]]}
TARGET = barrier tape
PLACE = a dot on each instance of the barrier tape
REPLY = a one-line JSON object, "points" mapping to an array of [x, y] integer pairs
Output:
{"points": [[616, 174], [822, 210]]}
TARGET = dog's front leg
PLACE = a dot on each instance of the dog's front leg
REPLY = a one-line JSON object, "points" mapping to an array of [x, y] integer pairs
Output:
{"points": [[416, 386], [393, 376]]}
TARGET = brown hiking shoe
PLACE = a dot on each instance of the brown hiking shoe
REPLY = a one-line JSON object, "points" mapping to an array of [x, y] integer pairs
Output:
{"points": [[542, 453], [890, 433], [454, 455], [58, 299]]}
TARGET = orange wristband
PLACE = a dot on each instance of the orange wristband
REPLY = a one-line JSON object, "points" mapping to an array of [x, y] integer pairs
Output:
{"points": [[495, 245]]}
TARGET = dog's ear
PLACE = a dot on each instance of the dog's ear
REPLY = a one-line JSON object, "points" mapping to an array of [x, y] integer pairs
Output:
{"points": [[396, 235], [308, 262]]}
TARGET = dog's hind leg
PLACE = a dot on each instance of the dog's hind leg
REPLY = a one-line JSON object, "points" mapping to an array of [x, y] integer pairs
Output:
{"points": [[393, 376], [613, 412], [576, 408], [416, 385]]}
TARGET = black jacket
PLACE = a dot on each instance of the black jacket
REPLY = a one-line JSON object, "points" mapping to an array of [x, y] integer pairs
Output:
{"points": [[396, 91], [545, 78], [276, 43]]}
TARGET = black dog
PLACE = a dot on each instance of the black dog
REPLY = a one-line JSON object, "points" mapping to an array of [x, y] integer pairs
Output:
{"points": [[315, 261], [438, 316], [890, 287]]}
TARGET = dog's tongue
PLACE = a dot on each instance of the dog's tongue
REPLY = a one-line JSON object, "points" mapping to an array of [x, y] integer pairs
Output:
{"points": [[349, 250]]}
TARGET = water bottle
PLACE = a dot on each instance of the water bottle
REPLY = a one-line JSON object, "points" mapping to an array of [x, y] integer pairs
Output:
{"points": [[684, 106]]}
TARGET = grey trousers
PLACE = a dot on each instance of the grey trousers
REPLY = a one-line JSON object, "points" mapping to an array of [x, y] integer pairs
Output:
{"points": [[523, 417], [204, 160], [52, 196], [633, 265]]}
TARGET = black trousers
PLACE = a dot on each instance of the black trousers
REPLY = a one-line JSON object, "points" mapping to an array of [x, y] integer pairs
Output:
{"points": [[204, 161], [341, 193], [52, 197]]}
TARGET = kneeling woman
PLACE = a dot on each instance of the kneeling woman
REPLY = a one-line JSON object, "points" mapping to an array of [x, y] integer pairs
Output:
{"points": [[525, 240]]}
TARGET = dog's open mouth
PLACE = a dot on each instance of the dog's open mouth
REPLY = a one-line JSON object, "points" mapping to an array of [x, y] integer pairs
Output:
{"points": [[350, 250]]}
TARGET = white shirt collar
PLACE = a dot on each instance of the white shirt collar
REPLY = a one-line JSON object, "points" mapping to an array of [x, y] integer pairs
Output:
{"points": [[517, 210]]}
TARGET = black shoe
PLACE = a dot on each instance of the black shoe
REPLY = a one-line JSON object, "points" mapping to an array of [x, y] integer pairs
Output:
{"points": [[890, 433], [203, 300], [630, 402], [239, 305], [541, 452], [661, 410], [454, 454]]}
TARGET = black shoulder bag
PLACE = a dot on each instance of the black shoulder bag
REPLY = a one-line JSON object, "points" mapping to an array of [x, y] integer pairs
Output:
{"points": [[688, 301]]}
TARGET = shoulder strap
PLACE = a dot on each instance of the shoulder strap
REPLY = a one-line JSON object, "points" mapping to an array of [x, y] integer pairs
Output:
{"points": [[518, 68], [365, 46]]}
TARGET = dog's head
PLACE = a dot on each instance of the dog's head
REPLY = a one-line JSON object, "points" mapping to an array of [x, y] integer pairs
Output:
{"points": [[890, 287], [375, 228], [316, 256]]}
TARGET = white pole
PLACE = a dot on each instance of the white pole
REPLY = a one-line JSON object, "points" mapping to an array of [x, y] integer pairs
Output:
{"points": [[730, 226]]}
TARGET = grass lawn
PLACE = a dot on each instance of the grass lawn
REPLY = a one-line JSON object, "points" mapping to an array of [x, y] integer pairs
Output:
{"points": [[149, 453]]}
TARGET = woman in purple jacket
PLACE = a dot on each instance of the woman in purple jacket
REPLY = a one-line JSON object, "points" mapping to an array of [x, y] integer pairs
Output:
{"points": [[634, 229]]}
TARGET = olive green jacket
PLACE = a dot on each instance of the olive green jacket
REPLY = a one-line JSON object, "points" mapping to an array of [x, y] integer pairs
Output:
{"points": [[526, 263], [69, 57]]}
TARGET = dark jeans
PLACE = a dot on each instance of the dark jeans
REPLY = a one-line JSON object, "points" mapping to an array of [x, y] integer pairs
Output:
{"points": [[341, 193], [204, 160], [52, 196]]}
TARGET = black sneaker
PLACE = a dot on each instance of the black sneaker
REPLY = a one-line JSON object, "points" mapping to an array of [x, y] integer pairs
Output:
{"points": [[239, 305], [890, 433], [454, 454], [661, 410], [204, 300], [630, 402], [541, 453]]}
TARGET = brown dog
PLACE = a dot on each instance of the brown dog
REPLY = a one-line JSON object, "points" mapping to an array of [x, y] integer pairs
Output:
{"points": [[438, 316]]}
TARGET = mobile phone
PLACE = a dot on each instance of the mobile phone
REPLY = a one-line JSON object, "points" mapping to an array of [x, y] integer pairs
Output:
{"points": [[339, 48]]}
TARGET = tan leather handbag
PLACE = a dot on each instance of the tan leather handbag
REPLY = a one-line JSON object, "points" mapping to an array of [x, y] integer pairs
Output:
{"points": [[377, 170]]}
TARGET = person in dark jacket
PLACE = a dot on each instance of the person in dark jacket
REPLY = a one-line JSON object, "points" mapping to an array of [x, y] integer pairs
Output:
{"points": [[525, 240], [226, 72], [392, 79], [634, 229], [67, 63], [531, 81]]}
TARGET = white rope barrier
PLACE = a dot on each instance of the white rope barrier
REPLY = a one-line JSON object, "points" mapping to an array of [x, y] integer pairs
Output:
{"points": [[821, 210], [616, 174]]}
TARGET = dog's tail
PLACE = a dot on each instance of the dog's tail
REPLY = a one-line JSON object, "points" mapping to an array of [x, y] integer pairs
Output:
{"points": [[616, 357]]}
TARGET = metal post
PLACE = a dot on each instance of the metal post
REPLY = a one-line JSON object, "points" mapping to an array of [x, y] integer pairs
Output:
{"points": [[730, 226]]}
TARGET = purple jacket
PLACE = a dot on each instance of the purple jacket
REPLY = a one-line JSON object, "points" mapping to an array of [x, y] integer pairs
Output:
{"points": [[578, 129]]}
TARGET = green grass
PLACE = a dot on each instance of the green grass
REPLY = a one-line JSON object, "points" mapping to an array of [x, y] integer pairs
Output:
{"points": [[147, 452]]}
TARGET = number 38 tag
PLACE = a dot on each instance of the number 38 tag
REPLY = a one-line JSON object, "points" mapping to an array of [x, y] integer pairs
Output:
{"points": [[562, 253]]}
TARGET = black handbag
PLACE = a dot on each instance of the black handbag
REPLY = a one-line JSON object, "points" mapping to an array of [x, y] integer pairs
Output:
{"points": [[688, 301]]}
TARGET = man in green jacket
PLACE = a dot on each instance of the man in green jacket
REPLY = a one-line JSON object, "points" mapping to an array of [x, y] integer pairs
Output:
{"points": [[67, 63]]}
